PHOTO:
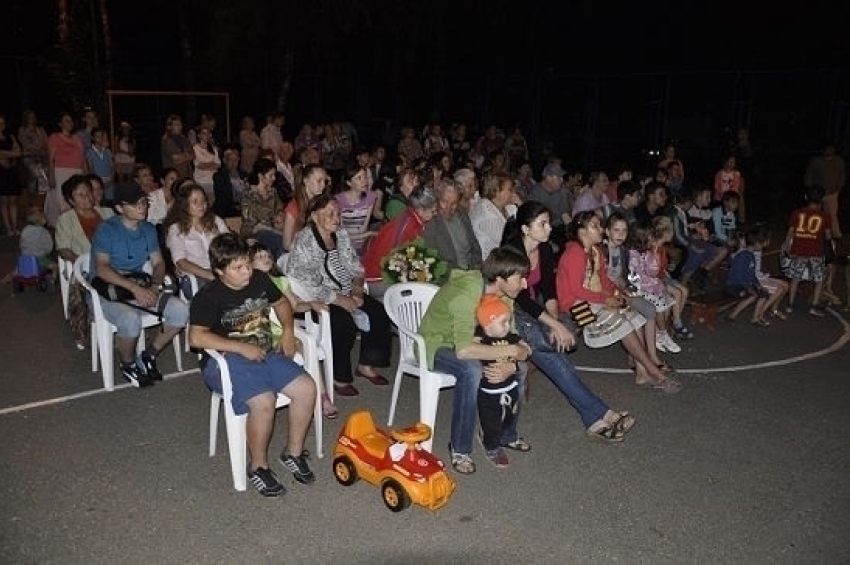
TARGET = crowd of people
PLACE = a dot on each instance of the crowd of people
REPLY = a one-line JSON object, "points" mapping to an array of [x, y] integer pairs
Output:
{"points": [[261, 223]]}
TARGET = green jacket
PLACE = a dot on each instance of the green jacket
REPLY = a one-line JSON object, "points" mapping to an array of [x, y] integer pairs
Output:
{"points": [[450, 318]]}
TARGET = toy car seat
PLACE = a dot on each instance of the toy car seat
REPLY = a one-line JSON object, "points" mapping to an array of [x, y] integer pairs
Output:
{"points": [[29, 273]]}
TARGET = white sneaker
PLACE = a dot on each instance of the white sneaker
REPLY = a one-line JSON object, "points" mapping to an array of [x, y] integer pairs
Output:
{"points": [[663, 342]]}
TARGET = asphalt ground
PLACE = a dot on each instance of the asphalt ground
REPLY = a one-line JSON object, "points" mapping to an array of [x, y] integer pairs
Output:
{"points": [[748, 464]]}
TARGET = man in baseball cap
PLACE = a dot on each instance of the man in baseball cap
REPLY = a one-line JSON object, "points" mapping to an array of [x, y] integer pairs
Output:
{"points": [[122, 245]]}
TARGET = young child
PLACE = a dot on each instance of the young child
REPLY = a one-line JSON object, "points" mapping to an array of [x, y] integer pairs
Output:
{"points": [[37, 242], [262, 260], [617, 258], [497, 402], [157, 205], [808, 229], [100, 161], [723, 219], [743, 282], [648, 266], [773, 285]]}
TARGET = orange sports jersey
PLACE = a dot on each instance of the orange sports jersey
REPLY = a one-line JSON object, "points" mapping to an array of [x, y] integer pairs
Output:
{"points": [[810, 227]]}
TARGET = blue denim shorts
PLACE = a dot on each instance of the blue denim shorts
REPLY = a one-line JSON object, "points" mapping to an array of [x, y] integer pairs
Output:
{"points": [[251, 378]]}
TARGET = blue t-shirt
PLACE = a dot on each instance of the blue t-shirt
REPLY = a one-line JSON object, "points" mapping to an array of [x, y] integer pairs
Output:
{"points": [[742, 270], [101, 163], [128, 249]]}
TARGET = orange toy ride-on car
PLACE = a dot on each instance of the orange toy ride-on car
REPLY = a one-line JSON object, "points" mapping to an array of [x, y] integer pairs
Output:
{"points": [[394, 462]]}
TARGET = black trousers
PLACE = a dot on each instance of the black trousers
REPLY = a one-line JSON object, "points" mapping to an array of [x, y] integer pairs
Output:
{"points": [[374, 345], [496, 412]]}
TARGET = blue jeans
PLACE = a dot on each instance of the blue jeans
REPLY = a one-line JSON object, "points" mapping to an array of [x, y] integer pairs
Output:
{"points": [[559, 369], [465, 402]]}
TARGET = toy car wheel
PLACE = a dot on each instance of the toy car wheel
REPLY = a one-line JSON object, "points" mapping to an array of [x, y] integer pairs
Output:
{"points": [[395, 497], [345, 471]]}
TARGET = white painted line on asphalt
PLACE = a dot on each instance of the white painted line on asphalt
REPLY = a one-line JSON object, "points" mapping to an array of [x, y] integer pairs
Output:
{"points": [[61, 399], [838, 344], [842, 340]]}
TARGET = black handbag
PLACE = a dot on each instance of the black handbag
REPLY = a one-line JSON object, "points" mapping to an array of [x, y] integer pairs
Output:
{"points": [[116, 293]]}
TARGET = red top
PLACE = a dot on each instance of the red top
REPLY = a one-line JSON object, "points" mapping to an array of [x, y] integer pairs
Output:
{"points": [[401, 229], [810, 226], [574, 276], [68, 151]]}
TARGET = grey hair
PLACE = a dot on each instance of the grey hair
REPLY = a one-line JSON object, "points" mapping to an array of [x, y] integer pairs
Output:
{"points": [[444, 184], [422, 198], [463, 176]]}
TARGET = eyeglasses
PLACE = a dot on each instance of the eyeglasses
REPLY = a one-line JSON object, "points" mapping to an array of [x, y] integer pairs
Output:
{"points": [[143, 203]]}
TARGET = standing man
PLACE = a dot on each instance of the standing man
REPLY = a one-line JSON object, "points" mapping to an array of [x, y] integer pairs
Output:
{"points": [[827, 170], [271, 137], [550, 192], [120, 246], [175, 149]]}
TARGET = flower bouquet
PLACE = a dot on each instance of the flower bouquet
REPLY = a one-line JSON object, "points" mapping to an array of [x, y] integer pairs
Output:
{"points": [[413, 262]]}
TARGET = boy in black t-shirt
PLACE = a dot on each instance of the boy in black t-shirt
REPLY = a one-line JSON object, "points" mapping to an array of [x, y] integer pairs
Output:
{"points": [[497, 403], [231, 315]]}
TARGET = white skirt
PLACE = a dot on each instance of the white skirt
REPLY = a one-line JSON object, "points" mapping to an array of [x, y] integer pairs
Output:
{"points": [[662, 302], [611, 325]]}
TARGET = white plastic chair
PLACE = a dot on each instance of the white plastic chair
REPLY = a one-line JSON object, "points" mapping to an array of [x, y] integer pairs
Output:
{"points": [[235, 423], [193, 285], [102, 331], [66, 274], [405, 304]]}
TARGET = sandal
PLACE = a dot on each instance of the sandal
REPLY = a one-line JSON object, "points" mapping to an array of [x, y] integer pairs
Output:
{"points": [[608, 434], [779, 315], [329, 411], [760, 322], [668, 386], [519, 444], [346, 390], [623, 422], [665, 368], [462, 463]]}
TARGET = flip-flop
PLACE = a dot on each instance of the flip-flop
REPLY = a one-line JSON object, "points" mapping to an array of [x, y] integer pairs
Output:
{"points": [[607, 434], [624, 422], [519, 444], [760, 322]]}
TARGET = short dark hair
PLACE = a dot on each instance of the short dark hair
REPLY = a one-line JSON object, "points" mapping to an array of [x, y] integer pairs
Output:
{"points": [[626, 188], [73, 182], [503, 262], [225, 249], [814, 194]]}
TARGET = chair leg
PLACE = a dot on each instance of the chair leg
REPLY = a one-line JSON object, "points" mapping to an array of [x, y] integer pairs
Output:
{"points": [[107, 356], [429, 396], [94, 348], [394, 400], [237, 447], [178, 354], [215, 403]]}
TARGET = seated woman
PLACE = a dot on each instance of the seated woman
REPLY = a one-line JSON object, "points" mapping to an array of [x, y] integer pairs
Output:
{"points": [[261, 208], [74, 231], [583, 276], [358, 204], [192, 225], [450, 232], [538, 323], [313, 182], [422, 205], [324, 267]]}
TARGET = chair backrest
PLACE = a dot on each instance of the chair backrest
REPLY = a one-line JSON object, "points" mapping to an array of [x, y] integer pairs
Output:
{"points": [[406, 304]]}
